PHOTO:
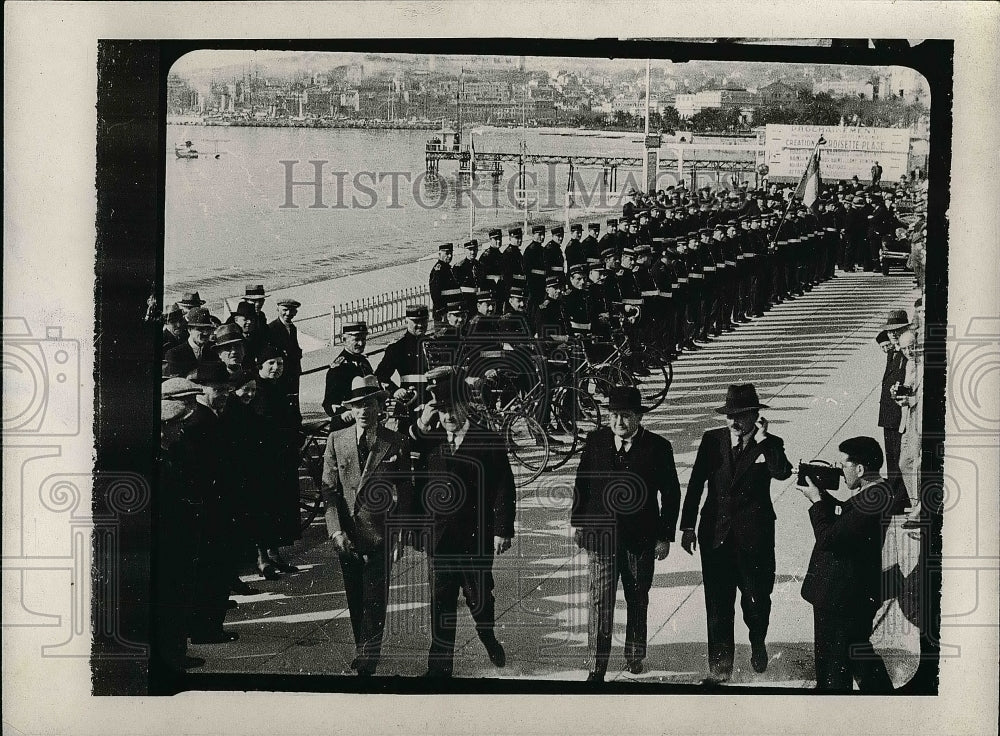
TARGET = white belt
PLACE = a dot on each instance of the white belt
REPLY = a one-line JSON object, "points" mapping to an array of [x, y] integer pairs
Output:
{"points": [[494, 277], [653, 292], [697, 275], [666, 294], [751, 255], [580, 325], [682, 281], [491, 354], [468, 289], [413, 378], [633, 302], [732, 263], [558, 268], [708, 269], [450, 292], [740, 257], [537, 271], [831, 229]]}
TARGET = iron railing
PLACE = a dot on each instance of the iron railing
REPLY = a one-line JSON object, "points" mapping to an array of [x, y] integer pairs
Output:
{"points": [[382, 313]]}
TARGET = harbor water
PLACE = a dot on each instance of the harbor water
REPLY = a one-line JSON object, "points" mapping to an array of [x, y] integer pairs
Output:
{"points": [[233, 215]]}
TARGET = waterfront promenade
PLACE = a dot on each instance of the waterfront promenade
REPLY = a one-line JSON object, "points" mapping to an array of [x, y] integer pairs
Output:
{"points": [[813, 360]]}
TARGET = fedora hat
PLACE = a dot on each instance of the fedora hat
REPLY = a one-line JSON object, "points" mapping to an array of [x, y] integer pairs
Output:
{"points": [[740, 397], [191, 299], [446, 393], [625, 398], [227, 334], [255, 291], [245, 309], [173, 313], [897, 320], [199, 317], [364, 387]]}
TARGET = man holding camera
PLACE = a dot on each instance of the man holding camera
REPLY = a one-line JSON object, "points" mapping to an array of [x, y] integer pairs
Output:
{"points": [[736, 534], [843, 582]]}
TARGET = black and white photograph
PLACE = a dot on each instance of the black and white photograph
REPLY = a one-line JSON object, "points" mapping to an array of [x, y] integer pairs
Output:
{"points": [[487, 363]]}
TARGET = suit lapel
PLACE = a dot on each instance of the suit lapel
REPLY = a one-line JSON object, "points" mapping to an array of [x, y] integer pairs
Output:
{"points": [[375, 455], [346, 445], [744, 460]]}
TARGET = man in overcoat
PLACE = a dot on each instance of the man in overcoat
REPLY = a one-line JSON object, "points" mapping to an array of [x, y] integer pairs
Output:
{"points": [[736, 534]]}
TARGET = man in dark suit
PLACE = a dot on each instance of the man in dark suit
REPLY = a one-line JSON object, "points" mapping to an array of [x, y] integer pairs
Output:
{"points": [[284, 335], [622, 524], [844, 579], [174, 328], [197, 349], [736, 534], [470, 505], [890, 415], [367, 492]]}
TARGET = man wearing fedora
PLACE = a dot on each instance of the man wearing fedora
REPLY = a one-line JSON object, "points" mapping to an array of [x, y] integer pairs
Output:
{"points": [[174, 327], [469, 504], [197, 349], [254, 334], [625, 504], [736, 533], [255, 296], [367, 491], [284, 335], [890, 414], [228, 344]]}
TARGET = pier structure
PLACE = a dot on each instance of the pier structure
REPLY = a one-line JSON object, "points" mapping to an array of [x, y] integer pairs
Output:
{"points": [[686, 161]]}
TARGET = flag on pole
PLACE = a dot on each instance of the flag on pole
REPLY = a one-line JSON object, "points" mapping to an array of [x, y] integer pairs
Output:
{"points": [[810, 184]]}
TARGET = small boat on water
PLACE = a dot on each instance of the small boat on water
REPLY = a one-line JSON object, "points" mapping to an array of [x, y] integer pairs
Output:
{"points": [[185, 150]]}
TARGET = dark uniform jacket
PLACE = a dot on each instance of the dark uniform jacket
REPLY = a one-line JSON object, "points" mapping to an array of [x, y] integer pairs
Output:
{"points": [[890, 414], [442, 285], [549, 319], [845, 568], [344, 369], [553, 257], [287, 341], [470, 277], [405, 357], [471, 496], [738, 499], [534, 270], [637, 495], [576, 252]]}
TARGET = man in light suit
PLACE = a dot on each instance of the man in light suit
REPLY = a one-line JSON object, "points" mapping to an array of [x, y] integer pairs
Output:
{"points": [[470, 503], [736, 534], [625, 503], [367, 491]]}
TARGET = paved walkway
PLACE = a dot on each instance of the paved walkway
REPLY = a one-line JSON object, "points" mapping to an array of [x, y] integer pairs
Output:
{"points": [[814, 362]]}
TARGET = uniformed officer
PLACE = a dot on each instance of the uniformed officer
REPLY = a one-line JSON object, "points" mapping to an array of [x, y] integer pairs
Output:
{"points": [[513, 266], [492, 266], [695, 262], [576, 303], [554, 262], [351, 363], [600, 305], [447, 346], [575, 249], [608, 240], [469, 274], [665, 279], [442, 281], [405, 358], [549, 322], [533, 261]]}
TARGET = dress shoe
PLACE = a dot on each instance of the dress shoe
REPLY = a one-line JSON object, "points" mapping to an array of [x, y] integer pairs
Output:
{"points": [[595, 677], [283, 566], [758, 657], [269, 572], [231, 604], [495, 649], [241, 588], [220, 637], [634, 666], [715, 679]]}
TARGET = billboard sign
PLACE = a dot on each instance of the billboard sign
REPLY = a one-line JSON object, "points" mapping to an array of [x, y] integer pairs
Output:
{"points": [[848, 151]]}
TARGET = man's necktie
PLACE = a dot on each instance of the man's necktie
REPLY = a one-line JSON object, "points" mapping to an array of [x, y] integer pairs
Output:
{"points": [[451, 444], [363, 450]]}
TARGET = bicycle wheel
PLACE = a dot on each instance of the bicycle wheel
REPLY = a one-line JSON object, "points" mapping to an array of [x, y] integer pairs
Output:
{"points": [[574, 414], [311, 475], [527, 447], [654, 387]]}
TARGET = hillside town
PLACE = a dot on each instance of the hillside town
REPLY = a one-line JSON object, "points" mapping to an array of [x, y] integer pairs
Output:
{"points": [[424, 91]]}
